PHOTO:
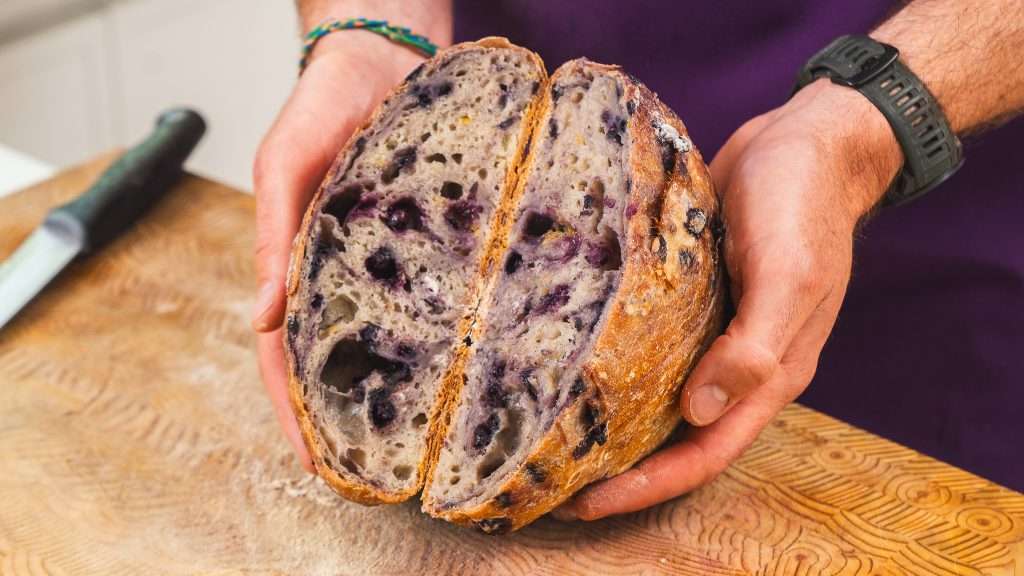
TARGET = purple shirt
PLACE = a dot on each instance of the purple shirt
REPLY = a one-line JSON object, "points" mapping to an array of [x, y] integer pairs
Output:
{"points": [[929, 346]]}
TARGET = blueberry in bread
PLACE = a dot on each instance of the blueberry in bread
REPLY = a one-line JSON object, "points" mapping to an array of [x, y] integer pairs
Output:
{"points": [[503, 328]]}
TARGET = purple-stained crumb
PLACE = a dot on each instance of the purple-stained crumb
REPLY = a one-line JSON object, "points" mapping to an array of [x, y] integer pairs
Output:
{"points": [[425, 94], [614, 126], [556, 92], [381, 411], [631, 210], [381, 265], [598, 254], [484, 433], [503, 97], [316, 263], [577, 388], [662, 249], [405, 350], [609, 202], [552, 129], [403, 214], [402, 159], [462, 215], [631, 107], [495, 394], [507, 122], [553, 300], [365, 208], [316, 301], [369, 335], [293, 326], [564, 248]]}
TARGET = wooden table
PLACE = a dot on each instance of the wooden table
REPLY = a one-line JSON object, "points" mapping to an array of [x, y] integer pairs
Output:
{"points": [[135, 438]]}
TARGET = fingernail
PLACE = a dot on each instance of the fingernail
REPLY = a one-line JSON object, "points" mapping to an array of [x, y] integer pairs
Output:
{"points": [[565, 513], [264, 300], [707, 403]]}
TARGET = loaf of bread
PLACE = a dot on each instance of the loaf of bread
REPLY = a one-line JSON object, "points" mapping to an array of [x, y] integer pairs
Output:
{"points": [[500, 287]]}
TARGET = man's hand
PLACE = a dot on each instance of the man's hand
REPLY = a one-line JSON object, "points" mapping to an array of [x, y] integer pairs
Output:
{"points": [[794, 184], [349, 73]]}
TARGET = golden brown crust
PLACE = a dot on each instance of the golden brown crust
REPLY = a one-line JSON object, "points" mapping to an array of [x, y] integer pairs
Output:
{"points": [[662, 315], [344, 482]]}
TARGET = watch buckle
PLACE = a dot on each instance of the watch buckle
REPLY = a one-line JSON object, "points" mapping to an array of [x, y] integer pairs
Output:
{"points": [[871, 67]]}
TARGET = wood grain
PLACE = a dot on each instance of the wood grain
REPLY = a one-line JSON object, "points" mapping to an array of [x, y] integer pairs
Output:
{"points": [[135, 438]]}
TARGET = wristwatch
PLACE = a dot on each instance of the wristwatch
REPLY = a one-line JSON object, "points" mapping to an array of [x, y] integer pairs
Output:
{"points": [[931, 149]]}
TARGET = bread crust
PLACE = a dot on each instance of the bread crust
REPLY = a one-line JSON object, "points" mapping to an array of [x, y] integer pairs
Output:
{"points": [[662, 315], [341, 481]]}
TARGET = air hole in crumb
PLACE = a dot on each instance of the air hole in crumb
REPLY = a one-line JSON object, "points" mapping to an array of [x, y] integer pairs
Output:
{"points": [[425, 136], [402, 472], [356, 456], [455, 480], [419, 420], [537, 225], [457, 157], [451, 190], [505, 443], [482, 173], [339, 310], [577, 96], [437, 157]]}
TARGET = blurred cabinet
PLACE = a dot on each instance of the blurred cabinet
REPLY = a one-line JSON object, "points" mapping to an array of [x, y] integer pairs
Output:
{"points": [[73, 90], [55, 101]]}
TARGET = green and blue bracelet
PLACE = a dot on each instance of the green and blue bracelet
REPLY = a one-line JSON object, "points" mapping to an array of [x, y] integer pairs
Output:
{"points": [[396, 34]]}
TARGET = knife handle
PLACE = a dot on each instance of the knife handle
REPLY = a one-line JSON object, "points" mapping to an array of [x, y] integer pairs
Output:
{"points": [[132, 184]]}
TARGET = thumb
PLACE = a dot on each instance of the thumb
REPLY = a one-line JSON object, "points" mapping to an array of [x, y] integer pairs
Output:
{"points": [[775, 303]]}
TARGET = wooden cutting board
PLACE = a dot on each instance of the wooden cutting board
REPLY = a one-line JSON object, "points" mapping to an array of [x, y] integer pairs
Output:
{"points": [[135, 438]]}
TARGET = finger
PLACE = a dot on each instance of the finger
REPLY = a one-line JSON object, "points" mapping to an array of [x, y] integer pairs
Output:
{"points": [[780, 292], [702, 455], [313, 126], [272, 369]]}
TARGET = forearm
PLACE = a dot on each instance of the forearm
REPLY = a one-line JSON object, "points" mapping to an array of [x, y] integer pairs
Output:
{"points": [[967, 53]]}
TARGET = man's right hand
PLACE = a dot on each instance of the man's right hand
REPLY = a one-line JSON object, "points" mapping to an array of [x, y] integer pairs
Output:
{"points": [[348, 74]]}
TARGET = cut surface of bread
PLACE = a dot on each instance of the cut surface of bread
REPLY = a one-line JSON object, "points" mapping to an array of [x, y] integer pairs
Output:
{"points": [[502, 365], [389, 258]]}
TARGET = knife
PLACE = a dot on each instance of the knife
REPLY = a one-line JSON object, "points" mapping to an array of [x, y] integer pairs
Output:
{"points": [[123, 193]]}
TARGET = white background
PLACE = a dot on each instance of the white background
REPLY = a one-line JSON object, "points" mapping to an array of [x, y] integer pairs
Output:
{"points": [[78, 77]]}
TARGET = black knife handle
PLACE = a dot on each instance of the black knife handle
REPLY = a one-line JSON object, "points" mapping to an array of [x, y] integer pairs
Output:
{"points": [[132, 184]]}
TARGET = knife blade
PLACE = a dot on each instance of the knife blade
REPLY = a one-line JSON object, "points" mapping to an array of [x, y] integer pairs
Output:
{"points": [[122, 194]]}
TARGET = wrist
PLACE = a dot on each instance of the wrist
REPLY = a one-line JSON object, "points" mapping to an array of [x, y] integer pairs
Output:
{"points": [[856, 139]]}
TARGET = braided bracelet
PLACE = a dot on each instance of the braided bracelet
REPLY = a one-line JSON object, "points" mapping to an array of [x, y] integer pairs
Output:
{"points": [[394, 33]]}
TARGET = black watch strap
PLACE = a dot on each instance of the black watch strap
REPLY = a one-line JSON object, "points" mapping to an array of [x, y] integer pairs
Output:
{"points": [[931, 149]]}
